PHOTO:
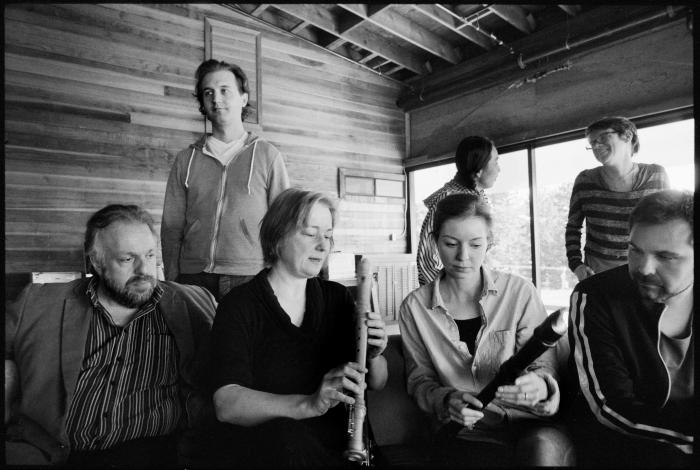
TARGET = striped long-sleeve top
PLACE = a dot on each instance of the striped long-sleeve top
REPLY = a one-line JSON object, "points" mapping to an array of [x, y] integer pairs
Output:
{"points": [[606, 213]]}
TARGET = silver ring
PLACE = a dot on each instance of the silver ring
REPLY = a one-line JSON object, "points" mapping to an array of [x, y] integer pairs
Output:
{"points": [[526, 395]]}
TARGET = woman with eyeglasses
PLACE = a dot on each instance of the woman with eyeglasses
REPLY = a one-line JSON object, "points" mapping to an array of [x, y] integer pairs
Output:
{"points": [[604, 196]]}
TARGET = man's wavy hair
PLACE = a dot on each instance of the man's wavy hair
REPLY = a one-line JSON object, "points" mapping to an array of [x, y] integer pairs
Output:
{"points": [[663, 206], [213, 65], [105, 217]]}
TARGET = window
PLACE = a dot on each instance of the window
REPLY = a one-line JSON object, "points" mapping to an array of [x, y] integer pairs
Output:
{"points": [[556, 165], [370, 183]]}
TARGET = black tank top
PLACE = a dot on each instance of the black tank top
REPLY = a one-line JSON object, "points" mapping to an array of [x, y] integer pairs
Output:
{"points": [[468, 329]]}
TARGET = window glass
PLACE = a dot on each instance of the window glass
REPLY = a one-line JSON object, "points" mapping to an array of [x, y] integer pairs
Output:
{"points": [[425, 183], [671, 146], [510, 206]]}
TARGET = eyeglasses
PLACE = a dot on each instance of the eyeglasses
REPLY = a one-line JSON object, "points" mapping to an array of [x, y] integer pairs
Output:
{"points": [[602, 139]]}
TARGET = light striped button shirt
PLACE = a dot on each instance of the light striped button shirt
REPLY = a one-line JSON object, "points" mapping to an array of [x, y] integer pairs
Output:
{"points": [[128, 383]]}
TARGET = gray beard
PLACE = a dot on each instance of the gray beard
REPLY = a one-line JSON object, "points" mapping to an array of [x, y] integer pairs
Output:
{"points": [[124, 295]]}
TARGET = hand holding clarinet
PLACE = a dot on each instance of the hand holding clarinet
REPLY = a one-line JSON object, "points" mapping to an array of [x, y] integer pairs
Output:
{"points": [[508, 385]]}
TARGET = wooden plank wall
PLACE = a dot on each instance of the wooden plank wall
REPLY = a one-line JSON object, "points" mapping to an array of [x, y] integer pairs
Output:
{"points": [[98, 101]]}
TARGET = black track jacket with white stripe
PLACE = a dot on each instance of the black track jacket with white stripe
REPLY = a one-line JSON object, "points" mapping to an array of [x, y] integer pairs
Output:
{"points": [[623, 381]]}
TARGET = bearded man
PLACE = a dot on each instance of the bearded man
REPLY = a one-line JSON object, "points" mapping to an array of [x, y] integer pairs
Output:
{"points": [[631, 336], [108, 370]]}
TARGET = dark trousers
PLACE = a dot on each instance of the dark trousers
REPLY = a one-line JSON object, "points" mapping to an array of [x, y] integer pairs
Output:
{"points": [[284, 443], [601, 447], [152, 452], [217, 284], [521, 444]]}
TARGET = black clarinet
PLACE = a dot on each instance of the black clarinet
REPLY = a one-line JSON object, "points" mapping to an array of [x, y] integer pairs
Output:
{"points": [[544, 337]]}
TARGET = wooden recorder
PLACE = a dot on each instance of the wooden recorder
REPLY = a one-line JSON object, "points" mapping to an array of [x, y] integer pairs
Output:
{"points": [[357, 450]]}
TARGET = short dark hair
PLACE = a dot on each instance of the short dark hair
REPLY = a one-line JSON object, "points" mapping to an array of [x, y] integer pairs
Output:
{"points": [[663, 206], [619, 124], [461, 205], [213, 65], [105, 217], [472, 155], [287, 213]]}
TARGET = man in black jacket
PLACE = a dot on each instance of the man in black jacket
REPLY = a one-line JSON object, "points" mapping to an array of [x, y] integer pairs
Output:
{"points": [[631, 336]]}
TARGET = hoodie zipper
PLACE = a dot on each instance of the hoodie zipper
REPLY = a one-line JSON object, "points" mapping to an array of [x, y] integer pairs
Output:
{"points": [[217, 219], [219, 208]]}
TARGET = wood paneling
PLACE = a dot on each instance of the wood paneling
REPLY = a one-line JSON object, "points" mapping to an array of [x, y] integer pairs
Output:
{"points": [[98, 101]]}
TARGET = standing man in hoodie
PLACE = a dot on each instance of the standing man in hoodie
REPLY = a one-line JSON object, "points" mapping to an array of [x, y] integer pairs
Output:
{"points": [[219, 189]]}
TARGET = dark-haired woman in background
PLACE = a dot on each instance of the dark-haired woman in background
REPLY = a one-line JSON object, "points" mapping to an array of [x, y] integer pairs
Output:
{"points": [[604, 197], [477, 169], [456, 333], [284, 346]]}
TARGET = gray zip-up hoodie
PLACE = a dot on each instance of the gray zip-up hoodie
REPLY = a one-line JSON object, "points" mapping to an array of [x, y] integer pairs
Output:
{"points": [[212, 212]]}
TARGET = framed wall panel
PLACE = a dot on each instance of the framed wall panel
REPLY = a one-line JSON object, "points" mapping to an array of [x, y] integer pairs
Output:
{"points": [[240, 46]]}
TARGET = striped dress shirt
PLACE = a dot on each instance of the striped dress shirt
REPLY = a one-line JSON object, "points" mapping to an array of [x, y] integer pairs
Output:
{"points": [[128, 383], [606, 214]]}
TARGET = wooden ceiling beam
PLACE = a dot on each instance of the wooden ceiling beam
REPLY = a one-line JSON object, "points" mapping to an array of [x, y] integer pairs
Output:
{"points": [[299, 27], [367, 58], [402, 27], [323, 19], [393, 70], [571, 10], [516, 16], [488, 70], [259, 9], [449, 19], [333, 45]]}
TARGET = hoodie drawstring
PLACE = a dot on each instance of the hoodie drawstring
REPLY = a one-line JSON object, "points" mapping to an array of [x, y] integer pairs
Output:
{"points": [[252, 162], [189, 165]]}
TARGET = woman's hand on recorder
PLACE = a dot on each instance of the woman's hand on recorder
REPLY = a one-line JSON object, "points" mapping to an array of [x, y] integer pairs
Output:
{"points": [[340, 384]]}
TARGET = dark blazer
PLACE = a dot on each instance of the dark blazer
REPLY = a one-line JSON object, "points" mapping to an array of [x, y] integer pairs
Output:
{"points": [[45, 334]]}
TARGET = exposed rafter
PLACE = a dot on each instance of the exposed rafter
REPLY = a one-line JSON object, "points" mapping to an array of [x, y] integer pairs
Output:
{"points": [[571, 10], [367, 58], [299, 27], [455, 23], [516, 16], [404, 28], [259, 9], [323, 19], [426, 41]]}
